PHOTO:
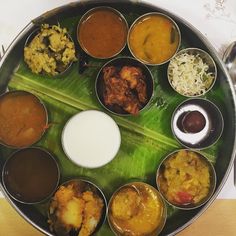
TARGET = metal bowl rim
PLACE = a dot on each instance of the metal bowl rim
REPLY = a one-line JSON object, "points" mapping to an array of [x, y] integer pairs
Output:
{"points": [[89, 182], [46, 116], [213, 105], [136, 61], [36, 31], [160, 197], [49, 155], [146, 15], [195, 50], [212, 187], [84, 17]]}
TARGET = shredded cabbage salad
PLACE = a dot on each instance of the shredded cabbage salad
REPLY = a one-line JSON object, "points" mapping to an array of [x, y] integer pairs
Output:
{"points": [[189, 75]]}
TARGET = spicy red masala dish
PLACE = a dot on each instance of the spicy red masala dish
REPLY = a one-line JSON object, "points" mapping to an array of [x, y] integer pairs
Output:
{"points": [[125, 87]]}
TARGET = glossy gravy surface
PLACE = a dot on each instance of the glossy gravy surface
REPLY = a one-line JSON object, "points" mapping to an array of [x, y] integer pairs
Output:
{"points": [[31, 175], [102, 34], [154, 39], [22, 119]]}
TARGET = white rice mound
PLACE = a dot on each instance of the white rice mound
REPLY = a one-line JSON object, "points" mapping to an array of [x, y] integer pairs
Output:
{"points": [[189, 75]]}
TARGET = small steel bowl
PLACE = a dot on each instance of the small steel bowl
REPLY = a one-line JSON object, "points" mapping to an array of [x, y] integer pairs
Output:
{"points": [[119, 63], [87, 15], [139, 186], [206, 58], [15, 93], [27, 178], [141, 19], [209, 134], [85, 185], [31, 36], [160, 176]]}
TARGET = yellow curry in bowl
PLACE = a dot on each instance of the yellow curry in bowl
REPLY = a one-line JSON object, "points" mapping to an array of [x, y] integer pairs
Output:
{"points": [[154, 38], [186, 179], [136, 209]]}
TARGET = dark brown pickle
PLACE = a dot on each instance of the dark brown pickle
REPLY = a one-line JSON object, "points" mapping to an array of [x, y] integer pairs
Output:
{"points": [[193, 122], [136, 209]]}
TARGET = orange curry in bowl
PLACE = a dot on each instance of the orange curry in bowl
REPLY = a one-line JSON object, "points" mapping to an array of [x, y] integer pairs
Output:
{"points": [[136, 209], [23, 119]]}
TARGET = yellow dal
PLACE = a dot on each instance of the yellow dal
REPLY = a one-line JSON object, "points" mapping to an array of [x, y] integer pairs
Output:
{"points": [[151, 39]]}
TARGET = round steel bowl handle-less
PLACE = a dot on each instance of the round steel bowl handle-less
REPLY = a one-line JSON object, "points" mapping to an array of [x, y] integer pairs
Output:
{"points": [[229, 58]]}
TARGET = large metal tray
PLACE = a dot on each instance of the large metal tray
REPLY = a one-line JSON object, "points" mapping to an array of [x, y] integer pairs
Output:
{"points": [[194, 38]]}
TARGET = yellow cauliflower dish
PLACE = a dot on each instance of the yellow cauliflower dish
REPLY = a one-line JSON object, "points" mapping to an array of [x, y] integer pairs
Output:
{"points": [[50, 52], [75, 208]]}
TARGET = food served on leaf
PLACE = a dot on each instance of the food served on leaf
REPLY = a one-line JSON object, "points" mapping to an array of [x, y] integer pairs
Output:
{"points": [[185, 178], [51, 51], [102, 32], [154, 38], [31, 175], [136, 209], [125, 87], [77, 208], [189, 75], [23, 119]]}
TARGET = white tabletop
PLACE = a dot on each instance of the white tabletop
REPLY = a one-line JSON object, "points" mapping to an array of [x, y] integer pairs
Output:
{"points": [[216, 19]]}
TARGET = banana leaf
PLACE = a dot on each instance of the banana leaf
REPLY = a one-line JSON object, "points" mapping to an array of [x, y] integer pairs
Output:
{"points": [[146, 138]]}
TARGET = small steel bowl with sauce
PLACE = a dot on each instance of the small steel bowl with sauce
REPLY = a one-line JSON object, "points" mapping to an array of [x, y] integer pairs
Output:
{"points": [[78, 207], [186, 179], [102, 32], [192, 72], [154, 38], [31, 175], [124, 86], [136, 208], [197, 123], [23, 119]]}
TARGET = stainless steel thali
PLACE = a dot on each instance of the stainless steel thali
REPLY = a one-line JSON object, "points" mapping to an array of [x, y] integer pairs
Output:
{"points": [[223, 95]]}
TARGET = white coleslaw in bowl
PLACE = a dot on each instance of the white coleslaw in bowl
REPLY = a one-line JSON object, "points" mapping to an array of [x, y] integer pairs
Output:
{"points": [[192, 72]]}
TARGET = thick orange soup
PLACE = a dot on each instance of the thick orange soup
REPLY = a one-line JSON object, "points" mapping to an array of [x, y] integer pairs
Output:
{"points": [[23, 119]]}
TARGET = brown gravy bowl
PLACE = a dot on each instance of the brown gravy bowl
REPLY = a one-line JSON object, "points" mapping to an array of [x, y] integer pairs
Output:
{"points": [[23, 119], [30, 175], [102, 32]]}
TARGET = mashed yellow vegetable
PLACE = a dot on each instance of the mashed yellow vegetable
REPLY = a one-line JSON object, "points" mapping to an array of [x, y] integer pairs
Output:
{"points": [[185, 178], [51, 51]]}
